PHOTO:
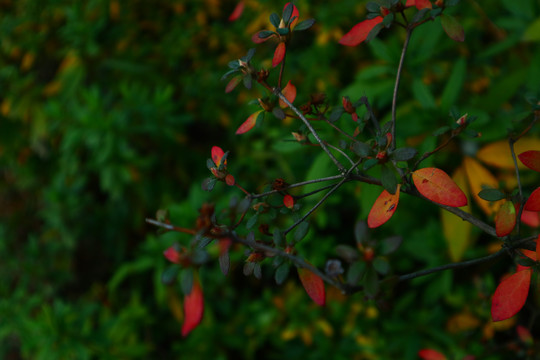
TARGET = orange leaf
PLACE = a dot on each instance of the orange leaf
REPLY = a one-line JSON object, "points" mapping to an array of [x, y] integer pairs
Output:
{"points": [[229, 180], [290, 94], [438, 187], [383, 208], [505, 219], [279, 54], [360, 32], [217, 155], [430, 354], [193, 308], [531, 159], [288, 201], [479, 177], [237, 12], [510, 295], [313, 285], [533, 202], [498, 153], [249, 123]]}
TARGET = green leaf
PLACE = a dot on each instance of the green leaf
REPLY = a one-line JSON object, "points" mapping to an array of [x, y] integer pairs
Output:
{"points": [[361, 232], [492, 194], [224, 262], [371, 282], [361, 149], [533, 31], [355, 273], [169, 275], [263, 34], [422, 94], [388, 179], [252, 221], [287, 12], [274, 20], [381, 265], [452, 27], [281, 273], [279, 240], [370, 163], [391, 244], [283, 31], [301, 231], [304, 25], [208, 184], [454, 85], [404, 154], [336, 114], [186, 280]]}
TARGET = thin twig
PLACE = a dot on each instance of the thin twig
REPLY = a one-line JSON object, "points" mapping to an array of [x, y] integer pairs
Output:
{"points": [[306, 122], [511, 143], [396, 85], [341, 152], [307, 182]]}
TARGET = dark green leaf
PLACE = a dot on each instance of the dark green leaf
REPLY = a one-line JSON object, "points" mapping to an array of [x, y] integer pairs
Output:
{"points": [[287, 12], [301, 231], [304, 25], [249, 54], [373, 7], [347, 253], [248, 268], [452, 27], [257, 271], [361, 232], [355, 273], [274, 20], [234, 64], [252, 221], [169, 274], [199, 257], [336, 114], [370, 163], [202, 242], [361, 149], [491, 194], [391, 244], [525, 261], [263, 34], [208, 184], [441, 130], [247, 81], [374, 32], [388, 179], [371, 282], [420, 15], [224, 262], [381, 265], [404, 154], [388, 19], [281, 273], [279, 239], [283, 31], [228, 73], [186, 280]]}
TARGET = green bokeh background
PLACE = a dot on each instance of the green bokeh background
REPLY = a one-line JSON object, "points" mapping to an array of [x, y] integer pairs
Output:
{"points": [[108, 112]]}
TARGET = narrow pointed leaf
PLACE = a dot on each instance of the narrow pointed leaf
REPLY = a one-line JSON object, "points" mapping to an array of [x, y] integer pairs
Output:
{"points": [[531, 159], [237, 12], [313, 285], [491, 194], [533, 202], [510, 295], [262, 36], [279, 54], [505, 219], [289, 91], [293, 18], [232, 84], [383, 208], [304, 25], [452, 27], [388, 179], [360, 32], [193, 308], [249, 123], [438, 187]]}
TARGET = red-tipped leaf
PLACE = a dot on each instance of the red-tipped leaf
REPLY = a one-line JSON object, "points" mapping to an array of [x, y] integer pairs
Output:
{"points": [[217, 155], [289, 91], [430, 354], [510, 295], [237, 12], [193, 308], [533, 202], [505, 219], [295, 15], [313, 285], [438, 187], [531, 159], [360, 32], [249, 123], [383, 208], [279, 54], [233, 83]]}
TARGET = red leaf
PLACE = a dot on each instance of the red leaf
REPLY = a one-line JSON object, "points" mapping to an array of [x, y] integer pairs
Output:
{"points": [[383, 208], [229, 180], [193, 308], [217, 155], [172, 255], [290, 94], [420, 4], [531, 159], [279, 54], [258, 40], [438, 187], [533, 202], [510, 295], [313, 285], [360, 32], [530, 218], [288, 201], [232, 84], [237, 12], [294, 13], [249, 123], [505, 219], [430, 354]]}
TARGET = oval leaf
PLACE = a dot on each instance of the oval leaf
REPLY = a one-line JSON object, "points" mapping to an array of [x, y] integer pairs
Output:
{"points": [[505, 219], [533, 202], [430, 354], [313, 285], [249, 123], [531, 159], [438, 187], [237, 12], [288, 201], [289, 91], [383, 208], [452, 27], [510, 295], [193, 308], [279, 54], [360, 32]]}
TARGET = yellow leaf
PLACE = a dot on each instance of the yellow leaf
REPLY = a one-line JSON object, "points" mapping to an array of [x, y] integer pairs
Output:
{"points": [[498, 154], [479, 177], [457, 232], [462, 322]]}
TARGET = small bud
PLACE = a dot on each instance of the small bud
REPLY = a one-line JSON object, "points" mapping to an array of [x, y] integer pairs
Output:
{"points": [[299, 137], [347, 105], [384, 11], [462, 120], [282, 24], [369, 254], [279, 184], [381, 155], [388, 139], [267, 107]]}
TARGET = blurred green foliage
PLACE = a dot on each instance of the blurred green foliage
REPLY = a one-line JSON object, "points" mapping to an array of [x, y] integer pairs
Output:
{"points": [[108, 111]]}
